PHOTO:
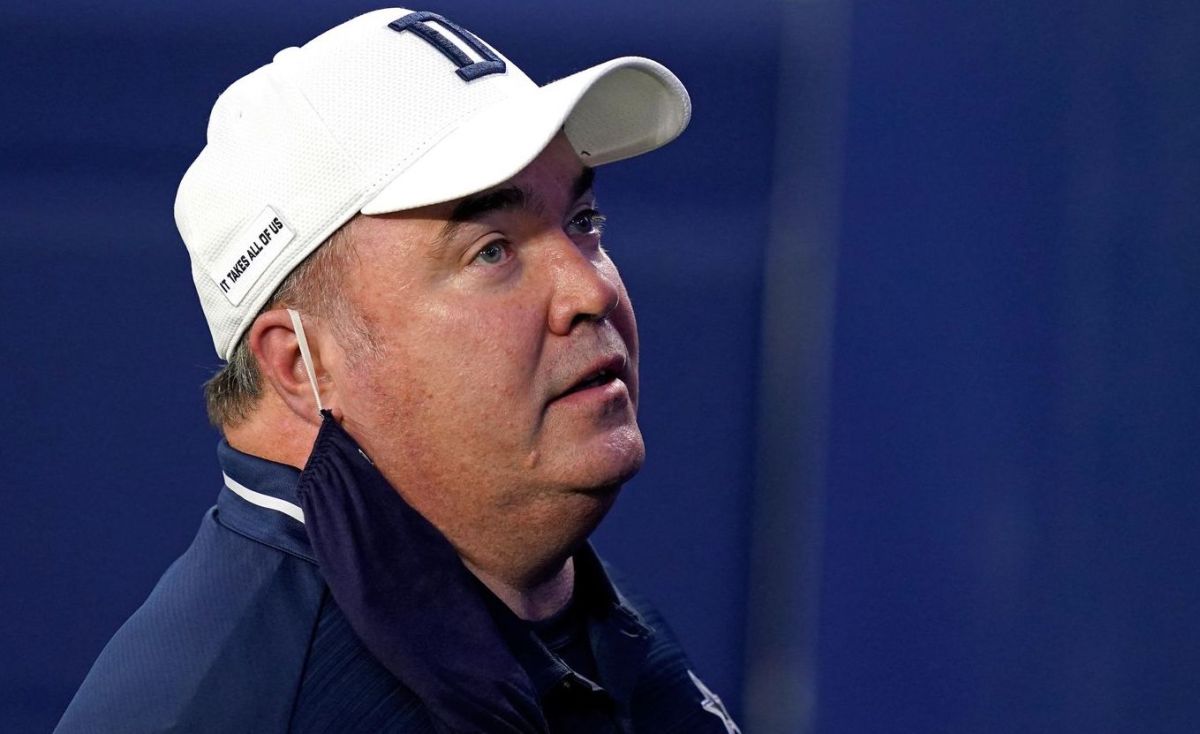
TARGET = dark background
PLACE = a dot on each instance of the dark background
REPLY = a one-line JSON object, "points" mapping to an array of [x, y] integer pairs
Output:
{"points": [[918, 296]]}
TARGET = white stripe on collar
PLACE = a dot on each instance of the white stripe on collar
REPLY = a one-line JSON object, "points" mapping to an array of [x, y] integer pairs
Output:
{"points": [[264, 500]]}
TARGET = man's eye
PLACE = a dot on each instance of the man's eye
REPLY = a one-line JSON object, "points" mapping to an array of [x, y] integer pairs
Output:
{"points": [[587, 222], [492, 253]]}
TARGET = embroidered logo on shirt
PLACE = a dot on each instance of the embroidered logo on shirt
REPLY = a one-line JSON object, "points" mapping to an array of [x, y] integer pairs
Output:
{"points": [[712, 704]]}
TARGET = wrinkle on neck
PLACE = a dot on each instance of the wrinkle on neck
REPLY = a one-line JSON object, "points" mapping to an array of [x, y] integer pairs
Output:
{"points": [[535, 601]]}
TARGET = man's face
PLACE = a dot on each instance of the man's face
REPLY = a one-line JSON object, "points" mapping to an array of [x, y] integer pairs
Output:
{"points": [[502, 376]]}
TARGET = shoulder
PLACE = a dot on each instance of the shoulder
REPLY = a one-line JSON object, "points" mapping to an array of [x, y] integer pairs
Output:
{"points": [[219, 645]]}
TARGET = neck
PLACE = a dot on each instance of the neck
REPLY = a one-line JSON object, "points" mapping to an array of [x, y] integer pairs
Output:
{"points": [[274, 433], [531, 601]]}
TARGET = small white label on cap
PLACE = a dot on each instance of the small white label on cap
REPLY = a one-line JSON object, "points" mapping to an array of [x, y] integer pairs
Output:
{"points": [[254, 248]]}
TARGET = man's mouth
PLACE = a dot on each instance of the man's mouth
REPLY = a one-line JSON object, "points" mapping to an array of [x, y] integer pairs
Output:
{"points": [[605, 372], [600, 378]]}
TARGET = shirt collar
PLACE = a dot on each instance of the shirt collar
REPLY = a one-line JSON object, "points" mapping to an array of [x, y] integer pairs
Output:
{"points": [[618, 635], [259, 501]]}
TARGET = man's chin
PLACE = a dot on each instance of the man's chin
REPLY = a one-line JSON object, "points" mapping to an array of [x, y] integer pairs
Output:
{"points": [[605, 469], [590, 461]]}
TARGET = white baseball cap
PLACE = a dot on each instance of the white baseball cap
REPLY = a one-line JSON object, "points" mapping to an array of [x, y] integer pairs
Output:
{"points": [[392, 110]]}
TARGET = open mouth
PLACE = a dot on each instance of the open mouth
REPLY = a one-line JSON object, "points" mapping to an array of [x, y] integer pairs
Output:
{"points": [[603, 372], [602, 377]]}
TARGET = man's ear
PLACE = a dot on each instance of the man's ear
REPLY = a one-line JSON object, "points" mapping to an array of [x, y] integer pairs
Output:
{"points": [[276, 347]]}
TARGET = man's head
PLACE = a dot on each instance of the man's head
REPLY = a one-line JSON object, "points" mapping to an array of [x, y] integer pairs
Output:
{"points": [[501, 337], [466, 326], [499, 383], [390, 111]]}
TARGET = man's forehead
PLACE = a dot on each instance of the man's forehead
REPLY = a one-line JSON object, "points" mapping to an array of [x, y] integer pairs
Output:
{"points": [[556, 172], [516, 194]]}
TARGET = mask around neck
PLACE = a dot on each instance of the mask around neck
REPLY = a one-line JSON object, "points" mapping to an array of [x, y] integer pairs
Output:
{"points": [[408, 596]]}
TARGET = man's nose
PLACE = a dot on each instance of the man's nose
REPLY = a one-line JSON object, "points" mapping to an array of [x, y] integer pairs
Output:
{"points": [[584, 290]]}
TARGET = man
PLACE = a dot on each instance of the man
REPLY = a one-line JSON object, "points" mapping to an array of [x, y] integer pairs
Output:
{"points": [[429, 404]]}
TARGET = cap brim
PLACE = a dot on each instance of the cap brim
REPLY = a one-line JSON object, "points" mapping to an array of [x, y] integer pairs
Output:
{"points": [[611, 111]]}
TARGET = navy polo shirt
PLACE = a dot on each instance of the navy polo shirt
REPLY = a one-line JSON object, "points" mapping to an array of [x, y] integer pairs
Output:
{"points": [[242, 634]]}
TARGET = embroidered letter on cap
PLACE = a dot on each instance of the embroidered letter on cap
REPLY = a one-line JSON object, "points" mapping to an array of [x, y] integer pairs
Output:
{"points": [[468, 69], [255, 246]]}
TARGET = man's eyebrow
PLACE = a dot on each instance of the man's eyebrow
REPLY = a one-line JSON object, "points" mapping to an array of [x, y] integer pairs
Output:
{"points": [[583, 183], [474, 207]]}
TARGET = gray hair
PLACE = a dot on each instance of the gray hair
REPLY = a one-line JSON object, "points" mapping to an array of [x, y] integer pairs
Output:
{"points": [[313, 287]]}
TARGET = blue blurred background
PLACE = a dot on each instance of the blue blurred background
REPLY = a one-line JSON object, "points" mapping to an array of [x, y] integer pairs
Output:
{"points": [[918, 296]]}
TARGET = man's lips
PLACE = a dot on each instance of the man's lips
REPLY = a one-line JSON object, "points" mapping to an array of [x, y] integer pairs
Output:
{"points": [[599, 373]]}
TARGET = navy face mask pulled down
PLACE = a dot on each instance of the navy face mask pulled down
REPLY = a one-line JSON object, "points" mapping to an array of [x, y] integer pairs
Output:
{"points": [[408, 596]]}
